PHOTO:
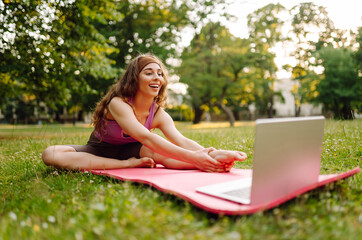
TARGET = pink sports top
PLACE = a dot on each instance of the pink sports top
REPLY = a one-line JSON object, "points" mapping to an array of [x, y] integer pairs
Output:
{"points": [[114, 133]]}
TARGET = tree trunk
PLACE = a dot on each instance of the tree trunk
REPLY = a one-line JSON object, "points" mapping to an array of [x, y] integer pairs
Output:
{"points": [[236, 115], [229, 113], [198, 114], [346, 113], [336, 111], [270, 108], [297, 110], [80, 116]]}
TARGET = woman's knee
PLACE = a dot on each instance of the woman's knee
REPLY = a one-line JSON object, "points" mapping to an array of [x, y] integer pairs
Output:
{"points": [[50, 154]]}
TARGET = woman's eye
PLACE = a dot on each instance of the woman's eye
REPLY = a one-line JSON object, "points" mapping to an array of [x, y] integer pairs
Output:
{"points": [[150, 73]]}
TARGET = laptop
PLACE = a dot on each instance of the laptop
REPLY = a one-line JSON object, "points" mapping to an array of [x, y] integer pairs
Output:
{"points": [[287, 156]]}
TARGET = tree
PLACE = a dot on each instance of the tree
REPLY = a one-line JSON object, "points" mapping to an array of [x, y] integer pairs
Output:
{"points": [[52, 48], [265, 30], [145, 26], [304, 89], [358, 54], [200, 69], [235, 57], [67, 53], [358, 57], [263, 74], [341, 88], [265, 27], [212, 67], [311, 27]]}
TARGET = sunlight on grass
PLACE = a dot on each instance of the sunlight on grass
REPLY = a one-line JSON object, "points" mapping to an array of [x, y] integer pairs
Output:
{"points": [[220, 125], [39, 202]]}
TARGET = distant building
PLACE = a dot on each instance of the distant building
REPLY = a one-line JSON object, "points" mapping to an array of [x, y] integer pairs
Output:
{"points": [[287, 109]]}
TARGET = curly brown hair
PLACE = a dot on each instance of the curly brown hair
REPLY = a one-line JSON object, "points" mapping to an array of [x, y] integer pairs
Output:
{"points": [[127, 87]]}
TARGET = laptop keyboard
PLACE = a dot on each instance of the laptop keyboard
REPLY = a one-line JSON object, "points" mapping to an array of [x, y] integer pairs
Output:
{"points": [[240, 193]]}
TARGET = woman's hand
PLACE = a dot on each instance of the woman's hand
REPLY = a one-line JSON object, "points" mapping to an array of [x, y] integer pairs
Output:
{"points": [[212, 160], [203, 161]]}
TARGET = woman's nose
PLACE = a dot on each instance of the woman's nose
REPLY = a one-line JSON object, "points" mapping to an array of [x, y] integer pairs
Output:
{"points": [[157, 76]]}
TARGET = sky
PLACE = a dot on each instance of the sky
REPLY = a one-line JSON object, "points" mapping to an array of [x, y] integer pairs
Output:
{"points": [[346, 14]]}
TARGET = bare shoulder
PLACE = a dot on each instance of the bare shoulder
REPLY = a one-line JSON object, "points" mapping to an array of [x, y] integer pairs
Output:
{"points": [[117, 106], [116, 101]]}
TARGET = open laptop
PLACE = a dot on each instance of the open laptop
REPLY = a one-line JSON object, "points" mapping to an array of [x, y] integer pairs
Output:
{"points": [[287, 155]]}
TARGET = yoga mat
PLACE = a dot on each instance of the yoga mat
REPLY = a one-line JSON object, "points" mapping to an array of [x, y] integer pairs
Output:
{"points": [[183, 183]]}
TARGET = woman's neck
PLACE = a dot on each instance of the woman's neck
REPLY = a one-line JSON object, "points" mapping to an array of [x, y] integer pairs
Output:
{"points": [[142, 103]]}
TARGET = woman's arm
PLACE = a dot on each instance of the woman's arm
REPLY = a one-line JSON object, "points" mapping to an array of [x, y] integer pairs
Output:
{"points": [[125, 117], [164, 122]]}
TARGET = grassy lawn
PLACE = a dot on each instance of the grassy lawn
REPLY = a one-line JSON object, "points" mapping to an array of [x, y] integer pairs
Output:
{"points": [[38, 202]]}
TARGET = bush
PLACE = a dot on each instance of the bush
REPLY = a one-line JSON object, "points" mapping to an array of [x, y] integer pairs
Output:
{"points": [[180, 113]]}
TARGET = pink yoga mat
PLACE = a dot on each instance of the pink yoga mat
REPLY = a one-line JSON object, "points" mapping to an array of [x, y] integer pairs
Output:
{"points": [[183, 183]]}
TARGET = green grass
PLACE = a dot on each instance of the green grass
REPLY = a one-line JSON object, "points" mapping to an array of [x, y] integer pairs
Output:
{"points": [[39, 202]]}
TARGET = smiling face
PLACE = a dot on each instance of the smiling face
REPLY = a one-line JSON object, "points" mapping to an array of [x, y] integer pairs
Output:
{"points": [[150, 80]]}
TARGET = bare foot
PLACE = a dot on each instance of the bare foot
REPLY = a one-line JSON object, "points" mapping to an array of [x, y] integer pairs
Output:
{"points": [[228, 158], [144, 162]]}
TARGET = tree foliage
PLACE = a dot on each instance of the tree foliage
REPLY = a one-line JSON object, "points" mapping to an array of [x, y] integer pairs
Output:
{"points": [[145, 26], [265, 28], [56, 54], [340, 89], [236, 59], [319, 43], [67, 53], [311, 27], [358, 54], [52, 49], [200, 68], [213, 67]]}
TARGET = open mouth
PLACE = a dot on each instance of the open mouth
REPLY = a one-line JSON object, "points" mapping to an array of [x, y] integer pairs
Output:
{"points": [[154, 86]]}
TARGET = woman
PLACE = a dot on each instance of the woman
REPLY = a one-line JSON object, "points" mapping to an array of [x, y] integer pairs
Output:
{"points": [[122, 122]]}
